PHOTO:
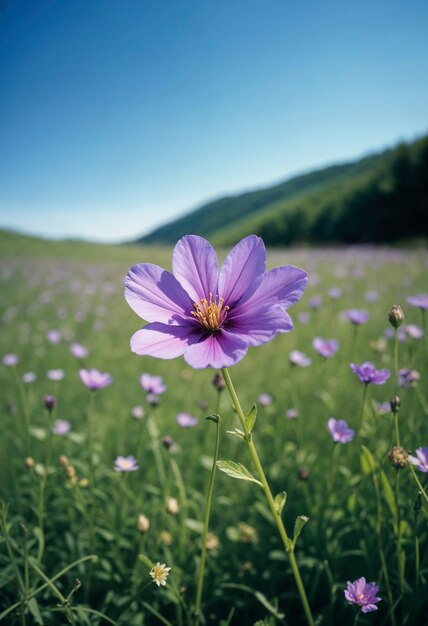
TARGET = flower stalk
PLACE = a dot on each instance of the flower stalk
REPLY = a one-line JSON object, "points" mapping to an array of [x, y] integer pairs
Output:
{"points": [[201, 572], [288, 544]]}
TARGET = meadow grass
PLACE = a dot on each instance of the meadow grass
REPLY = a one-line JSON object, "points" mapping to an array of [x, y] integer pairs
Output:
{"points": [[357, 507]]}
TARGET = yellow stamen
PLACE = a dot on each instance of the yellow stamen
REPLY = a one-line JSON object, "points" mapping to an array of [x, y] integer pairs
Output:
{"points": [[210, 314]]}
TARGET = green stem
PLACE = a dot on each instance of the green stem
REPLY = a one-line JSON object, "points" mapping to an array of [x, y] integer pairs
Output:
{"points": [[43, 481], [363, 404], [417, 552], [397, 434], [92, 512], [418, 482], [400, 556], [201, 572], [396, 354], [184, 506], [288, 544], [154, 438], [331, 474]]}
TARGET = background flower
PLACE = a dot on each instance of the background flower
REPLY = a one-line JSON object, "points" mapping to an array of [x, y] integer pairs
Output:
{"points": [[340, 431], [94, 379], [367, 373]]}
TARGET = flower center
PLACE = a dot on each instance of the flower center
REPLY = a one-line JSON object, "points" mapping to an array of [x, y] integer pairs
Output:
{"points": [[210, 314]]}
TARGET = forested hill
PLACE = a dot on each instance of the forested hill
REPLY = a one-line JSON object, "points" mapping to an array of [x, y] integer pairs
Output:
{"points": [[380, 198]]}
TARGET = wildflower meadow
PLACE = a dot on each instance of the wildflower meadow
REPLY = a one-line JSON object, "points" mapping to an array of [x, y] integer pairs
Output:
{"points": [[195, 437]]}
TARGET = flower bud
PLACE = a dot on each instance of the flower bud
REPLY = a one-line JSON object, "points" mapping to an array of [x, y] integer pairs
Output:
{"points": [[143, 523], [49, 402], [168, 442], [29, 462], [303, 474], [398, 457], [219, 382], [64, 460], [40, 470], [395, 404], [166, 537], [396, 315], [172, 506]]}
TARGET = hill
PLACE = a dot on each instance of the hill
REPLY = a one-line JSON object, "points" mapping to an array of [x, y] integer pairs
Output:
{"points": [[380, 198]]}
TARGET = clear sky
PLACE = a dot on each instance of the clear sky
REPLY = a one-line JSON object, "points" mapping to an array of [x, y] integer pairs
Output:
{"points": [[119, 115]]}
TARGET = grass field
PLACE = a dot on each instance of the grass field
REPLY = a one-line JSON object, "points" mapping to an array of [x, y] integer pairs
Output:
{"points": [[362, 515]]}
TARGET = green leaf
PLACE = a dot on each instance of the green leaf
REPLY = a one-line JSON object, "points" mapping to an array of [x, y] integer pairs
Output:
{"points": [[237, 470], [35, 611], [236, 433], [250, 420], [298, 525], [367, 461], [280, 500], [268, 605], [389, 496]]}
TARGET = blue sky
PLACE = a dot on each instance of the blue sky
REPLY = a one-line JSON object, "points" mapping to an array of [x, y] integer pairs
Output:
{"points": [[119, 115]]}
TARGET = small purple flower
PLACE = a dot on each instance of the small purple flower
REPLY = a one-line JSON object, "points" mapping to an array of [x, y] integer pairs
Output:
{"points": [[152, 384], [185, 420], [94, 379], [10, 360], [420, 301], [54, 336], [315, 303], [334, 293], [367, 373], [292, 414], [383, 408], [413, 331], [304, 317], [61, 427], [79, 351], [211, 315], [371, 296], [325, 347], [363, 594], [137, 412], [358, 316], [264, 399], [29, 377], [340, 431], [126, 464], [299, 358], [420, 460], [55, 374], [408, 378]]}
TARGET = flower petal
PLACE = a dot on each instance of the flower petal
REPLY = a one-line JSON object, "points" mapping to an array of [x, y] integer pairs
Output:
{"points": [[156, 295], [195, 265], [242, 270], [218, 350], [282, 285], [164, 341], [261, 325]]}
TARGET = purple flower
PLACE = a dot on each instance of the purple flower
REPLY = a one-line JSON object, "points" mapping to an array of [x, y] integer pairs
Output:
{"points": [[340, 431], [29, 377], [79, 351], [55, 374], [383, 407], [299, 358], [367, 373], [358, 316], [325, 347], [153, 384], [264, 399], [304, 317], [126, 464], [137, 412], [362, 593], [211, 316], [292, 414], [54, 336], [408, 378], [93, 379], [334, 293], [413, 331], [420, 460], [420, 301], [315, 303], [372, 296], [61, 427], [10, 360], [185, 420]]}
